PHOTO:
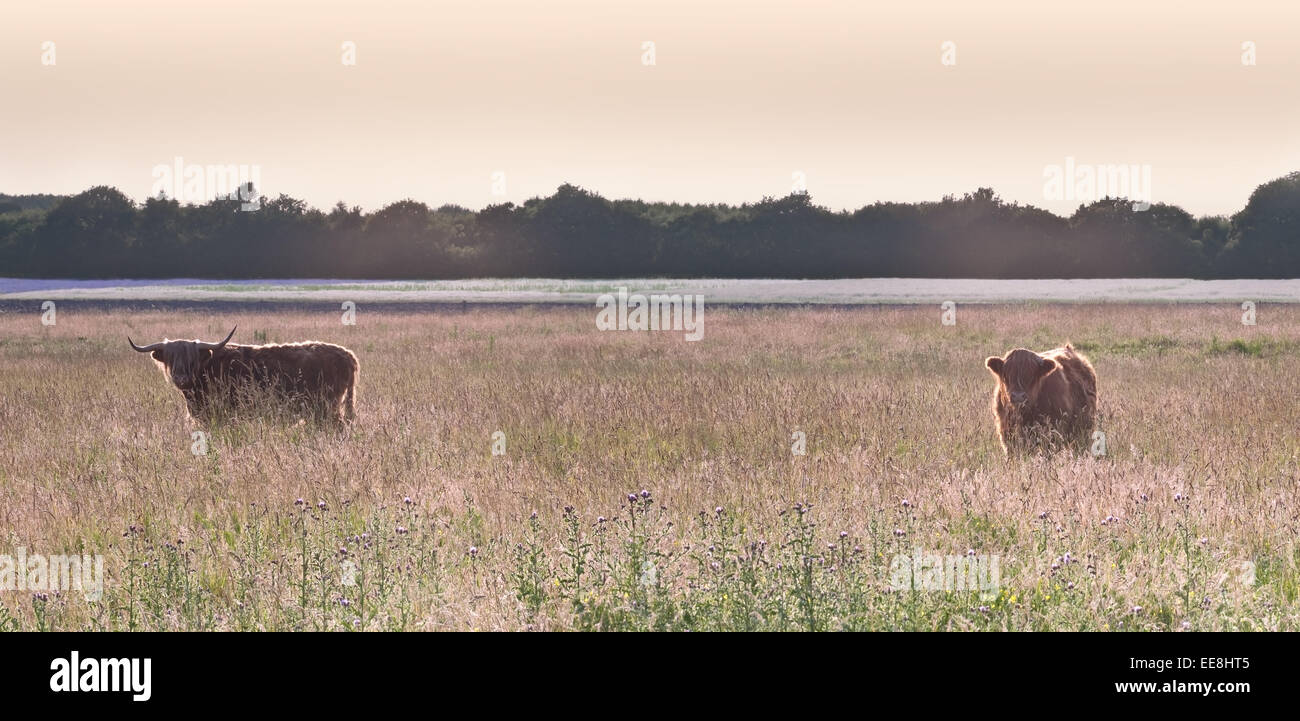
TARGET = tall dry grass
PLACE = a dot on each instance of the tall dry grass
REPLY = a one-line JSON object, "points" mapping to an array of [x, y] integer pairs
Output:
{"points": [[95, 457]]}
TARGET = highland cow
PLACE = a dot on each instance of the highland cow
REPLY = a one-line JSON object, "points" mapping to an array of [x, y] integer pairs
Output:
{"points": [[319, 378], [1044, 399]]}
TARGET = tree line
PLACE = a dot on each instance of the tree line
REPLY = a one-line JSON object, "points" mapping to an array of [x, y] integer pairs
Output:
{"points": [[101, 233]]}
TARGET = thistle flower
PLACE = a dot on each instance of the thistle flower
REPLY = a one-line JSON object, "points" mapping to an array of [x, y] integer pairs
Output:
{"points": [[907, 503], [844, 534], [298, 502], [407, 500], [899, 532], [473, 551]]}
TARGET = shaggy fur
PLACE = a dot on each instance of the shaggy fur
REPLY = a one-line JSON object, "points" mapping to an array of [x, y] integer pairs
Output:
{"points": [[1047, 398], [319, 378]]}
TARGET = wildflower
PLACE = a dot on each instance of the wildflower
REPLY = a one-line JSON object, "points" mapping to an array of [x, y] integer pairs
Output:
{"points": [[600, 519], [533, 517], [645, 495], [1137, 609], [907, 503], [718, 510], [473, 551], [298, 502], [343, 550], [321, 505], [983, 609], [1144, 497], [344, 602], [631, 498], [970, 552], [844, 534], [401, 530], [1204, 540], [899, 532], [1178, 497], [1067, 558], [1042, 515], [407, 500]]}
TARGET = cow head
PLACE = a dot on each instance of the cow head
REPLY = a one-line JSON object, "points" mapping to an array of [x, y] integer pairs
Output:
{"points": [[183, 360], [1019, 374]]}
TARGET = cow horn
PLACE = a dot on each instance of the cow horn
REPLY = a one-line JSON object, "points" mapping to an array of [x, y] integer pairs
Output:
{"points": [[222, 344], [143, 349]]}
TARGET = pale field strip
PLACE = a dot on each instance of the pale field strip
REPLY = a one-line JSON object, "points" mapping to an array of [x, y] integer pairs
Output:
{"points": [[860, 291]]}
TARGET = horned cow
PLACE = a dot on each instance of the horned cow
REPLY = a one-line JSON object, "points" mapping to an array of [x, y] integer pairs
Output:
{"points": [[1047, 398], [319, 377]]}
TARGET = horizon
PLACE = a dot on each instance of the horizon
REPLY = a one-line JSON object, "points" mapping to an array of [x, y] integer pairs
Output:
{"points": [[859, 105], [434, 205]]}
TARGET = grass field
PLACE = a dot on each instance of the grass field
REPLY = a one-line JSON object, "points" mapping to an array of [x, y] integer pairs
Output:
{"points": [[407, 521]]}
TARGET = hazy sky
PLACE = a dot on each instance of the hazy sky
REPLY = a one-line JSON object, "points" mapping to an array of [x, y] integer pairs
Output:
{"points": [[742, 95]]}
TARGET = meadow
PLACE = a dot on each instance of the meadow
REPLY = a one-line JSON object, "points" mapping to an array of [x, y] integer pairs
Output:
{"points": [[649, 483]]}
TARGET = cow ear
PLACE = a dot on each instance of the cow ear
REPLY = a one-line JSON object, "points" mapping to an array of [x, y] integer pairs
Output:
{"points": [[994, 364], [1046, 366], [157, 355], [205, 355]]}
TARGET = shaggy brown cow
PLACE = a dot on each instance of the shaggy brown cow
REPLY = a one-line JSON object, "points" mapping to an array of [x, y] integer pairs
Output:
{"points": [[1046, 397], [320, 378]]}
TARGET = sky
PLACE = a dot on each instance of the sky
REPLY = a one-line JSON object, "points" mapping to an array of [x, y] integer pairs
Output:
{"points": [[483, 102]]}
